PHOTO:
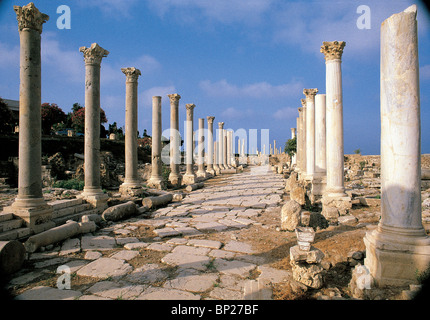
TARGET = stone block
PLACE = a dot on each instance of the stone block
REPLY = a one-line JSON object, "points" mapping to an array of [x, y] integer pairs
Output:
{"points": [[290, 215]]}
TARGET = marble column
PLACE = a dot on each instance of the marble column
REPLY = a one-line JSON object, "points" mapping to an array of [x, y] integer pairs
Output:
{"points": [[93, 192], [399, 248], [29, 203], [131, 179], [293, 158], [156, 179], [224, 151], [320, 135], [190, 176], [303, 160], [221, 145], [334, 119], [275, 151], [216, 160], [298, 146], [228, 136], [201, 172], [210, 158], [175, 176], [310, 132]]}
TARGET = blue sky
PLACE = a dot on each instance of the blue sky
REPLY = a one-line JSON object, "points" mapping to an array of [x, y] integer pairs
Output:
{"points": [[244, 62]]}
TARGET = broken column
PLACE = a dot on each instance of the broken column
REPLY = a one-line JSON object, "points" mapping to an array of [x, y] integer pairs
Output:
{"points": [[93, 192], [210, 154], [156, 179], [29, 203], [310, 132], [189, 177], [220, 146], [131, 179], [399, 249], [175, 176], [334, 195], [201, 172]]}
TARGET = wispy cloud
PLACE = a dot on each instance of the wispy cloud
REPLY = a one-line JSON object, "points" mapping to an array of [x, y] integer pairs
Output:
{"points": [[9, 56], [145, 97], [285, 113], [256, 90], [115, 8]]}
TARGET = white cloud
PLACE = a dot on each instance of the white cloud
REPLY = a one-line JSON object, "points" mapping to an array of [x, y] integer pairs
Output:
{"points": [[224, 11], [9, 56], [255, 90], [285, 113], [115, 8], [145, 97]]}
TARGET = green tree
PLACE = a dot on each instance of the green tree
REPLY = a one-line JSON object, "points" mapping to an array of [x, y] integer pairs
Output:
{"points": [[78, 118], [6, 118], [291, 148], [113, 128]]}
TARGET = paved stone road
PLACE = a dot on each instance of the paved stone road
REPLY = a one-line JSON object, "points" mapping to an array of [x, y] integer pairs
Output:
{"points": [[193, 264]]}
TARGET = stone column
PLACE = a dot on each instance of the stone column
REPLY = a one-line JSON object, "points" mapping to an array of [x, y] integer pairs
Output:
{"points": [[29, 203], [310, 132], [320, 135], [399, 248], [224, 151], [201, 172], [93, 192], [334, 119], [131, 179], [216, 160], [275, 151], [221, 145], [175, 176], [303, 141], [228, 137], [156, 179], [210, 158], [293, 158], [189, 177]]}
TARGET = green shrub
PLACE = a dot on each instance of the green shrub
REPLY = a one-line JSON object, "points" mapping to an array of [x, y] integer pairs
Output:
{"points": [[69, 184]]}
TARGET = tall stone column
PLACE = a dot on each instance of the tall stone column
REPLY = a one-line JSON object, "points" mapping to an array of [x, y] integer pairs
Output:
{"points": [[293, 158], [225, 148], [399, 248], [175, 176], [320, 135], [156, 179], [221, 145], [93, 192], [229, 162], [201, 172], [298, 140], [29, 203], [216, 159], [210, 158], [189, 177], [310, 132], [334, 118], [303, 160], [131, 179]]}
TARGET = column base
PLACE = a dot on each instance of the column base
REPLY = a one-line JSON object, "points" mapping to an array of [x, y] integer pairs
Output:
{"points": [[202, 174], [36, 213], [319, 184], [211, 172], [189, 179], [395, 256], [333, 207], [175, 180], [131, 189], [96, 197], [156, 183]]}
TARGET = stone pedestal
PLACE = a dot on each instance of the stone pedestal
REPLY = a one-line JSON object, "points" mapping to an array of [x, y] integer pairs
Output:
{"points": [[190, 176], [29, 203], [175, 176], [156, 179], [201, 172], [92, 191], [210, 154], [399, 248], [131, 180]]}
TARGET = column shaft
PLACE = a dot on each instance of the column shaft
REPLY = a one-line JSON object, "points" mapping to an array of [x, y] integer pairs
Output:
{"points": [[156, 178], [320, 135], [175, 141], [210, 144], [201, 173], [189, 177]]}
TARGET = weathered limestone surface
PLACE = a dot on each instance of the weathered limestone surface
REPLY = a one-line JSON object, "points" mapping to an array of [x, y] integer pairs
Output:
{"points": [[175, 176], [190, 176], [399, 246], [210, 143], [156, 180], [310, 132]]}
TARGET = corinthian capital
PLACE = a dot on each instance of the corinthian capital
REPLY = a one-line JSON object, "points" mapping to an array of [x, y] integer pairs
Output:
{"points": [[211, 119], [220, 125], [303, 101], [132, 74], [93, 54], [300, 110], [332, 49], [310, 93], [30, 17], [174, 98]]}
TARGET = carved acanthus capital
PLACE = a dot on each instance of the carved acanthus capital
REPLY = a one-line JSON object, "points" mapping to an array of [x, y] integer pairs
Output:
{"points": [[190, 109], [332, 49], [310, 94], [30, 17], [220, 125], [174, 98], [300, 110], [210, 119], [303, 101], [132, 74], [93, 54]]}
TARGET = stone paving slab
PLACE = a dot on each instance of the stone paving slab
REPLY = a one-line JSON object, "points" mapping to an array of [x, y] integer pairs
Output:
{"points": [[104, 268], [167, 294], [48, 293]]}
